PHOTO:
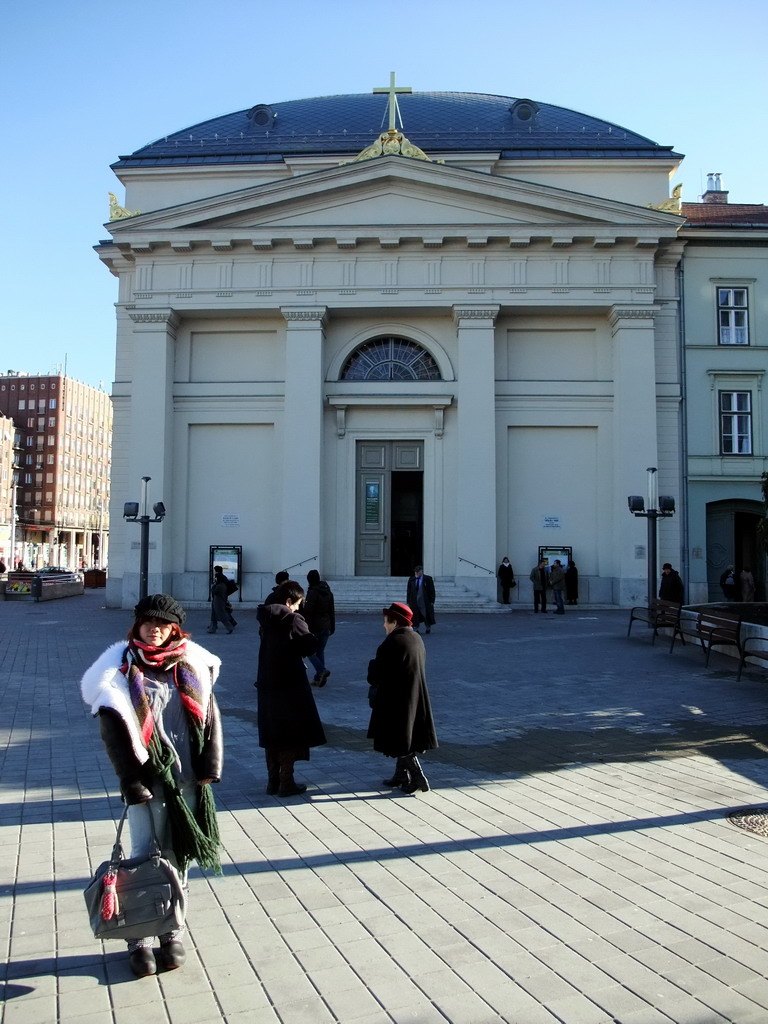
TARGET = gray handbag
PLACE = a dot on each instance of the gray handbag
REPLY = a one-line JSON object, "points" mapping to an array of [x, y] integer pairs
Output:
{"points": [[137, 897]]}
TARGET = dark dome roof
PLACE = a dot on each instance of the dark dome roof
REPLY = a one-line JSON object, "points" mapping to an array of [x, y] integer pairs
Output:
{"points": [[438, 122]]}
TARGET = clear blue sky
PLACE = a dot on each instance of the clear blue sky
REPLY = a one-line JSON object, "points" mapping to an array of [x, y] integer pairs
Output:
{"points": [[85, 82]]}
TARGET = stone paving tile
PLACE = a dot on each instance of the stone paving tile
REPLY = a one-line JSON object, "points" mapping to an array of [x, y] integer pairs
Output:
{"points": [[571, 841]]}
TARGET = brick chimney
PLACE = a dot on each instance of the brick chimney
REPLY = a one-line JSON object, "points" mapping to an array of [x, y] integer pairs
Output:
{"points": [[714, 193]]}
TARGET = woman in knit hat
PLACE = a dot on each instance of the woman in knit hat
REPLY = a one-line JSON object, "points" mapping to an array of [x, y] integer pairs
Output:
{"points": [[162, 731]]}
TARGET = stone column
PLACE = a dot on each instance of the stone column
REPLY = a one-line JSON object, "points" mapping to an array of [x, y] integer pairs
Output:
{"points": [[635, 442], [476, 446], [149, 447], [302, 438]]}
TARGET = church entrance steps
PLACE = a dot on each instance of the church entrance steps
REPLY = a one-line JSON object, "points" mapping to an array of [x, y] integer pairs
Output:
{"points": [[367, 594]]}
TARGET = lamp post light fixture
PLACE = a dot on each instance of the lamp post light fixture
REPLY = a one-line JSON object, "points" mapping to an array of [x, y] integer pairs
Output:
{"points": [[136, 512], [662, 508]]}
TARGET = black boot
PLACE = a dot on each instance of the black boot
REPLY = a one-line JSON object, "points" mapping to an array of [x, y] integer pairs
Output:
{"points": [[288, 785], [273, 771], [416, 777], [399, 776]]}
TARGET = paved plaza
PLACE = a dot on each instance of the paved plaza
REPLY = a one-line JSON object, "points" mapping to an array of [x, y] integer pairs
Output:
{"points": [[573, 863]]}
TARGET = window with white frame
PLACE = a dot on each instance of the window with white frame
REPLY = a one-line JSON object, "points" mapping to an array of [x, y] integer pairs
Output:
{"points": [[736, 422], [732, 316]]}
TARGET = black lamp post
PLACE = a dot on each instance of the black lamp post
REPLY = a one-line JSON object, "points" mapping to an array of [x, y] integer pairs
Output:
{"points": [[131, 514], [666, 508]]}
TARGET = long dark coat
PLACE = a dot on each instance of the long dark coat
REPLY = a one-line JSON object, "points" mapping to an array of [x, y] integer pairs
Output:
{"points": [[287, 715], [401, 719], [412, 599]]}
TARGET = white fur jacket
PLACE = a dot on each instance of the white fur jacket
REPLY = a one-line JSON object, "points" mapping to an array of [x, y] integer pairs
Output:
{"points": [[105, 690]]}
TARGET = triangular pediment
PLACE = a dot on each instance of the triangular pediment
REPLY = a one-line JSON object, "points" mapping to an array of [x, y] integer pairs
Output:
{"points": [[391, 194]]}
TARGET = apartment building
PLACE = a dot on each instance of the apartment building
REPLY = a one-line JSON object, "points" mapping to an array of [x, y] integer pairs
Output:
{"points": [[62, 439]]}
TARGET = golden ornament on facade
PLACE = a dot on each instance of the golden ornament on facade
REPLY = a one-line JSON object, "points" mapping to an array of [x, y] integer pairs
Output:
{"points": [[117, 212]]}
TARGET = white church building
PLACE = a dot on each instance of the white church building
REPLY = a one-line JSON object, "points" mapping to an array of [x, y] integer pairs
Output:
{"points": [[354, 347]]}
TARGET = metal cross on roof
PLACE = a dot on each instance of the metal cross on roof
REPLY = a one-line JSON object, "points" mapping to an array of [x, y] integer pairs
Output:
{"points": [[392, 90]]}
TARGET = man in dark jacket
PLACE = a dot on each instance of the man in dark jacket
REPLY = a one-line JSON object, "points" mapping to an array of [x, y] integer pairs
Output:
{"points": [[401, 718], [420, 598], [220, 612], [320, 612], [671, 586], [287, 716]]}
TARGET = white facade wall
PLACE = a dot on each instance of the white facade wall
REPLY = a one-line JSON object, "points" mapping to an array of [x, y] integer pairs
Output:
{"points": [[552, 314]]}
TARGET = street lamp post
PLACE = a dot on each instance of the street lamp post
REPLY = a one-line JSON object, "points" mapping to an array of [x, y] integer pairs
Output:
{"points": [[136, 512], [665, 509]]}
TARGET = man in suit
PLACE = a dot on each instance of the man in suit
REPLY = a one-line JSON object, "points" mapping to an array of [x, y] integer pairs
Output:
{"points": [[420, 598]]}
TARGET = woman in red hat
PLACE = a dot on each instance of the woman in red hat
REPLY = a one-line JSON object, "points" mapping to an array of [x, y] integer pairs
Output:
{"points": [[401, 723]]}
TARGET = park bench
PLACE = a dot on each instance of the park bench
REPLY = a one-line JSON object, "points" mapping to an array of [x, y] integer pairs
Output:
{"points": [[755, 647], [711, 629], [660, 615]]}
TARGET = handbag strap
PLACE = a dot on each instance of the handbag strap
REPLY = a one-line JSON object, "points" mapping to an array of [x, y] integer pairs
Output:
{"points": [[117, 849]]}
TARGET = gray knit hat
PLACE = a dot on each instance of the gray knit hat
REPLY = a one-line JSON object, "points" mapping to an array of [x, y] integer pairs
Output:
{"points": [[160, 606]]}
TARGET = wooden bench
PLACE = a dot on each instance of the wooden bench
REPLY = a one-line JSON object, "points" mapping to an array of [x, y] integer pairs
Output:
{"points": [[753, 647], [660, 615], [711, 629]]}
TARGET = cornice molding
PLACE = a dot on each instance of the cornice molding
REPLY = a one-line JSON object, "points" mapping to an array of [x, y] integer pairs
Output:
{"points": [[318, 316], [618, 314], [168, 317], [475, 313]]}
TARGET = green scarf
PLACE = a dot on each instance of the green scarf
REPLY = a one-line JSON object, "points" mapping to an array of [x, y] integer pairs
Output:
{"points": [[194, 834]]}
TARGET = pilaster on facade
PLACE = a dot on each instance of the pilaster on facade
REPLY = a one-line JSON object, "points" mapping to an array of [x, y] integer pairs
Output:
{"points": [[151, 403], [302, 432], [476, 441]]}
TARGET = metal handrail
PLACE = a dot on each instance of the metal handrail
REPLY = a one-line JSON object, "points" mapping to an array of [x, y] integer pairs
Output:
{"points": [[476, 566], [296, 565]]}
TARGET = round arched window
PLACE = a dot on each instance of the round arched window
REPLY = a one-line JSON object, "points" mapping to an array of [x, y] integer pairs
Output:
{"points": [[390, 358]]}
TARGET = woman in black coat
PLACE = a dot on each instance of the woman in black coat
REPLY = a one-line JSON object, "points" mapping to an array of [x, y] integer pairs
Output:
{"points": [[401, 719], [287, 716]]}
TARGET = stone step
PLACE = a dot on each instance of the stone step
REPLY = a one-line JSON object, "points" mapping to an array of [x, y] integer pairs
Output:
{"points": [[369, 594]]}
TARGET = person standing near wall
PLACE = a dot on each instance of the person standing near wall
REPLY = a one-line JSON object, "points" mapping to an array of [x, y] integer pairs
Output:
{"points": [[540, 583], [557, 582], [571, 583], [506, 579], [671, 586]]}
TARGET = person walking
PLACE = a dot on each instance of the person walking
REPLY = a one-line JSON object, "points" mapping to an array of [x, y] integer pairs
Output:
{"points": [[320, 612], [506, 579], [219, 602], [161, 727], [401, 724], [671, 586], [557, 583], [280, 577], [728, 584], [540, 583], [571, 583], [287, 717], [420, 598], [747, 584]]}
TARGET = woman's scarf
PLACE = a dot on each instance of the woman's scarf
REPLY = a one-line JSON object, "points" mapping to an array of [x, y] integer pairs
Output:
{"points": [[195, 834], [161, 659]]}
